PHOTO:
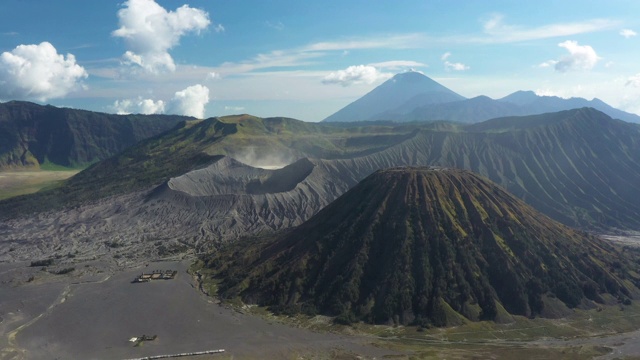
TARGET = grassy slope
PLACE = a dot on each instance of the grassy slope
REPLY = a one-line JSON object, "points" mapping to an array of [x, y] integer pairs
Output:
{"points": [[15, 183]]}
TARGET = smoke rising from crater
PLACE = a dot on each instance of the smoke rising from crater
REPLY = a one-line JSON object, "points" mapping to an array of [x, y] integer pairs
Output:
{"points": [[258, 157]]}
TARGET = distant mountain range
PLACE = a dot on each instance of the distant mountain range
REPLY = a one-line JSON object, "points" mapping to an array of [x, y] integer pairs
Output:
{"points": [[430, 247], [412, 96], [32, 135]]}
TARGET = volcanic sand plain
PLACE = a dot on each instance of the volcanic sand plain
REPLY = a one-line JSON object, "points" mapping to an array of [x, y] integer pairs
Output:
{"points": [[93, 316]]}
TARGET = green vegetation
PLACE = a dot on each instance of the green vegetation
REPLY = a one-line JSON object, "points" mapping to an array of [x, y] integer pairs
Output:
{"points": [[49, 166], [15, 183], [51, 138]]}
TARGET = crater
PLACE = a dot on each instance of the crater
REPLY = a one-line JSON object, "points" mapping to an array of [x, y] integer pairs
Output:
{"points": [[281, 180]]}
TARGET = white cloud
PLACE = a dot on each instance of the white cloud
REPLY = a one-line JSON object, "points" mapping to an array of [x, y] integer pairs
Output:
{"points": [[277, 58], [581, 57], [138, 106], [634, 80], [213, 75], [150, 32], [38, 72], [234, 108], [219, 28], [548, 63], [398, 64], [500, 32], [403, 41], [550, 92], [448, 65], [627, 33], [357, 74], [190, 101], [455, 66]]}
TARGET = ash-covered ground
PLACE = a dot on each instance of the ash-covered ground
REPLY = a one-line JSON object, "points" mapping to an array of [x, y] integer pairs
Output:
{"points": [[93, 311]]}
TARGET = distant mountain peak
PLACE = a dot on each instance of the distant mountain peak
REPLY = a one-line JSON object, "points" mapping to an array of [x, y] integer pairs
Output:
{"points": [[392, 94], [521, 97]]}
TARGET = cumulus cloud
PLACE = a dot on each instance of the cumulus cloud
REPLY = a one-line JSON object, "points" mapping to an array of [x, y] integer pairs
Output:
{"points": [[357, 74], [627, 33], [581, 57], [138, 106], [190, 101], [38, 72], [634, 80], [455, 66], [150, 32], [449, 66]]}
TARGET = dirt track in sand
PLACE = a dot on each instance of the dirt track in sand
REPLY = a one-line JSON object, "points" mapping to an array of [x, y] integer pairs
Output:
{"points": [[94, 317]]}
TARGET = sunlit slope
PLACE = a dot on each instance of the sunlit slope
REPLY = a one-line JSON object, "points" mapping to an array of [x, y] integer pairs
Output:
{"points": [[427, 246]]}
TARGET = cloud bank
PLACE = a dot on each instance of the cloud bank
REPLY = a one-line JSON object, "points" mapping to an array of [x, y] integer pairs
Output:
{"points": [[188, 102], [581, 57], [139, 106], [357, 74], [38, 72], [150, 32]]}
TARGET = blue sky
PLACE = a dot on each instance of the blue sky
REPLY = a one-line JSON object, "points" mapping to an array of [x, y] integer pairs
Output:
{"points": [[307, 59]]}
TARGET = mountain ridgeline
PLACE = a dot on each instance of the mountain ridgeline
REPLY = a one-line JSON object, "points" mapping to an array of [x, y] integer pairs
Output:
{"points": [[412, 96], [428, 247], [201, 182], [32, 135]]}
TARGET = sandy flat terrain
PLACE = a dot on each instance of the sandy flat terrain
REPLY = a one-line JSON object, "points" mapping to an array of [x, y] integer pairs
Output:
{"points": [[94, 316], [25, 182]]}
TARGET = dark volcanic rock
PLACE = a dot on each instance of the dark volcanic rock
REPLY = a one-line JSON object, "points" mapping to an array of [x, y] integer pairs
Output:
{"points": [[425, 246]]}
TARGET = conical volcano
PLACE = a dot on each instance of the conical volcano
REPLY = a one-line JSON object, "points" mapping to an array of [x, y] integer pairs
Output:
{"points": [[407, 87], [428, 246]]}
